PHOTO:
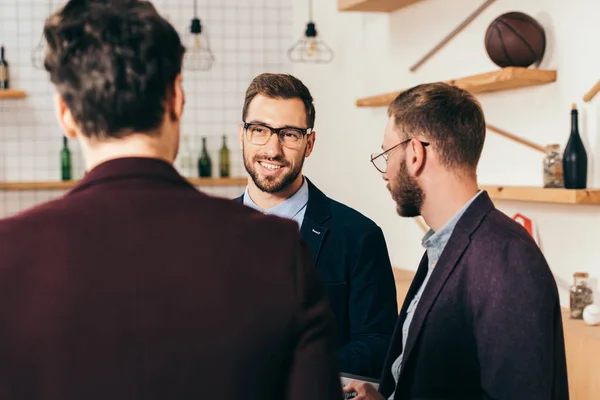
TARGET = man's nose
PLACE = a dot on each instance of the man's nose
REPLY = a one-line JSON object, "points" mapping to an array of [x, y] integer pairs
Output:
{"points": [[273, 147]]}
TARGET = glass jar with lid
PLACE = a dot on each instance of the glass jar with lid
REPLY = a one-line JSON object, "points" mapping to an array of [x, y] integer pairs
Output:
{"points": [[580, 295], [553, 167]]}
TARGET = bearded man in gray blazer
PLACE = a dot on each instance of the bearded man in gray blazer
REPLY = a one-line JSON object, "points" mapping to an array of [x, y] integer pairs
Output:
{"points": [[482, 317]]}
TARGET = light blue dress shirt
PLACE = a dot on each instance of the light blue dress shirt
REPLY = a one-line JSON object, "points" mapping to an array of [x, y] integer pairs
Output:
{"points": [[291, 208]]}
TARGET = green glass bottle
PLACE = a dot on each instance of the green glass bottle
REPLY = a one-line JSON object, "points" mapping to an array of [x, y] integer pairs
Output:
{"points": [[65, 161], [204, 162], [224, 159]]}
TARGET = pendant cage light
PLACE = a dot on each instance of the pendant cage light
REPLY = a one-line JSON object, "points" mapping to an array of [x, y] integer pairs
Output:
{"points": [[198, 56], [310, 48]]}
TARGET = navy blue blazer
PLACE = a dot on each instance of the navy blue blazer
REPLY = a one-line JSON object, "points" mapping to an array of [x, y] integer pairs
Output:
{"points": [[350, 252], [488, 324]]}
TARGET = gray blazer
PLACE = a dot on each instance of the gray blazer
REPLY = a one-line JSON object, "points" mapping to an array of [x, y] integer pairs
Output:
{"points": [[488, 325]]}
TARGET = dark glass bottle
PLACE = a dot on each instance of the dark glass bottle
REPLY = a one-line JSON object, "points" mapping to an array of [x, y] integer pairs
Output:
{"points": [[4, 80], [224, 159], [204, 162], [65, 161], [575, 161]]}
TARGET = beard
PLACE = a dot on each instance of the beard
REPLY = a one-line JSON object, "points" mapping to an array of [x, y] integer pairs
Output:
{"points": [[271, 184], [407, 193]]}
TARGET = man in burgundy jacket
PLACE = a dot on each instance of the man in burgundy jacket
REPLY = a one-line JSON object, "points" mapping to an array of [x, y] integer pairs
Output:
{"points": [[135, 285]]}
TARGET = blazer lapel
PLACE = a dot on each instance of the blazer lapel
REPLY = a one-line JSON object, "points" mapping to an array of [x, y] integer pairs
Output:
{"points": [[313, 234], [446, 264], [456, 246], [387, 382], [317, 212]]}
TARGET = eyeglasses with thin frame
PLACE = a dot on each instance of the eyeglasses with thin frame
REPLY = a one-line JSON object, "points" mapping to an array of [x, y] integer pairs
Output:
{"points": [[290, 137], [379, 160]]}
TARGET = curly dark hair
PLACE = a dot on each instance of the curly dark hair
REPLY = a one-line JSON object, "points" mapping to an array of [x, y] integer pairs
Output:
{"points": [[114, 62]]}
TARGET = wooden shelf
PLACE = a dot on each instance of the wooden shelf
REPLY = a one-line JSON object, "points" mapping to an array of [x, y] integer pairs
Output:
{"points": [[373, 5], [542, 195], [502, 79], [11, 94], [60, 185]]}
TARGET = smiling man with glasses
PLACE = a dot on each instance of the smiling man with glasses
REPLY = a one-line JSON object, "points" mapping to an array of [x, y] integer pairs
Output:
{"points": [[348, 249]]}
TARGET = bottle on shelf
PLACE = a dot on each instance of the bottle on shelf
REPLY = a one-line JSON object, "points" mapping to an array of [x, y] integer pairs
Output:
{"points": [[224, 159], [580, 295], [553, 167], [65, 161], [204, 162], [4, 79], [186, 159], [575, 161]]}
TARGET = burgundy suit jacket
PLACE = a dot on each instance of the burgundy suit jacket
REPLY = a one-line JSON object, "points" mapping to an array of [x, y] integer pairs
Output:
{"points": [[136, 286]]}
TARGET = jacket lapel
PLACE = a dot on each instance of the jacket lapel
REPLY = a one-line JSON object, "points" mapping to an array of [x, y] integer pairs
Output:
{"points": [[387, 382], [313, 234], [317, 212], [454, 249], [448, 260]]}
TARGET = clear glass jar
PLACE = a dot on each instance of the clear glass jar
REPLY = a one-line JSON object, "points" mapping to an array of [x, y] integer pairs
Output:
{"points": [[580, 295], [553, 167]]}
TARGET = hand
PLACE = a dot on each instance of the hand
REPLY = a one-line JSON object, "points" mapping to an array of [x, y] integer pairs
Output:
{"points": [[365, 391]]}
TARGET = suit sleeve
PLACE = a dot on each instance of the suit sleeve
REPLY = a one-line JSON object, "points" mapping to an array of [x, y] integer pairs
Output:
{"points": [[518, 328], [373, 308], [314, 370]]}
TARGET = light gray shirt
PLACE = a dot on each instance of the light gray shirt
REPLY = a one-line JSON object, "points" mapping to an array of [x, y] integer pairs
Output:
{"points": [[434, 243], [291, 208]]}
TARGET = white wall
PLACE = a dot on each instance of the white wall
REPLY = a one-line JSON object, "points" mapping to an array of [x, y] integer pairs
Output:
{"points": [[373, 55], [243, 45]]}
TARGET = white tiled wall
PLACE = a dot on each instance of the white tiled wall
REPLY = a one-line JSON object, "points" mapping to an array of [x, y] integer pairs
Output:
{"points": [[247, 37]]}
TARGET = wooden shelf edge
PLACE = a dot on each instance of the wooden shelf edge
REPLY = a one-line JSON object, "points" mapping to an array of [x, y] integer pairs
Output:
{"points": [[503, 79], [218, 181], [60, 185], [12, 94], [382, 6], [543, 195]]}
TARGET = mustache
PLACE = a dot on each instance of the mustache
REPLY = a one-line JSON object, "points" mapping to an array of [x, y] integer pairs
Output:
{"points": [[278, 159]]}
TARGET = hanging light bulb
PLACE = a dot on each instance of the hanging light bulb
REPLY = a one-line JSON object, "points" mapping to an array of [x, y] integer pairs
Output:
{"points": [[199, 56], [310, 49], [38, 53]]}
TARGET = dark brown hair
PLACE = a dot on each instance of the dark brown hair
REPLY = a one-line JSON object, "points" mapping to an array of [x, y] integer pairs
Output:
{"points": [[280, 86], [114, 62], [448, 117]]}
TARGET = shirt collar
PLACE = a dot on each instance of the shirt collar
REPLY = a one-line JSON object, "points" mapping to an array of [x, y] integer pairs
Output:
{"points": [[288, 208], [434, 242]]}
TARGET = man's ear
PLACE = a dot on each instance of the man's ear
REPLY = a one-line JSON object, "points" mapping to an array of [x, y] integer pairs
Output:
{"points": [[178, 100], [310, 144], [415, 158], [65, 118]]}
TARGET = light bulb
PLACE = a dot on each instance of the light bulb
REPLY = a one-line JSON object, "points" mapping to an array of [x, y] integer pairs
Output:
{"points": [[311, 46], [198, 56], [197, 43]]}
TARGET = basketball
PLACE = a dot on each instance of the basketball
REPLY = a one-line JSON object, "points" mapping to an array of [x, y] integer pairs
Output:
{"points": [[515, 39]]}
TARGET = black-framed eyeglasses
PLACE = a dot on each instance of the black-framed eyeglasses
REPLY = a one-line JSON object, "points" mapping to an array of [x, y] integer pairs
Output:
{"points": [[290, 137], [379, 160]]}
